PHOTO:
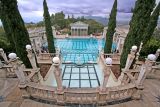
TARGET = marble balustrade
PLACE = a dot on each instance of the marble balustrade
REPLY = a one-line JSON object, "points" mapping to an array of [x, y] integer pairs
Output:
{"points": [[80, 95]]}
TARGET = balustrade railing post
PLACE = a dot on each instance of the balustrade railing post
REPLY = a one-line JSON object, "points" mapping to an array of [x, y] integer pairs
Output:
{"points": [[3, 55], [145, 69], [107, 72], [57, 73], [130, 59], [31, 56], [18, 68], [32, 60]]}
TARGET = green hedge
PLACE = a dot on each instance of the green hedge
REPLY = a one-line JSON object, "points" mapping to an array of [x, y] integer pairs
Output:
{"points": [[150, 48]]}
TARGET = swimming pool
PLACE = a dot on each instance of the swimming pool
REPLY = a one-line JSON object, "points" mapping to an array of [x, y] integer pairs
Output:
{"points": [[80, 50]]}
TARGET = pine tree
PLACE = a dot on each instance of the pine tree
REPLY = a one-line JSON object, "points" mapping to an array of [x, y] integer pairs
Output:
{"points": [[140, 20], [152, 24], [15, 24], [48, 28], [111, 29]]}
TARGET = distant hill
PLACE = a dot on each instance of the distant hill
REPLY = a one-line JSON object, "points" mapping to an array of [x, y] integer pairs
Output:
{"points": [[101, 20], [105, 21]]}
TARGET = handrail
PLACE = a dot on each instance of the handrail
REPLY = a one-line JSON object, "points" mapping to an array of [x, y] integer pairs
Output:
{"points": [[81, 95]]}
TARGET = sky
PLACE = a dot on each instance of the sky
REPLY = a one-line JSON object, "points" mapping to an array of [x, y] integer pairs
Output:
{"points": [[32, 10]]}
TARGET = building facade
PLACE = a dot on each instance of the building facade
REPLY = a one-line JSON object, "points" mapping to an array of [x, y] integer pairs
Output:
{"points": [[79, 29], [38, 36]]}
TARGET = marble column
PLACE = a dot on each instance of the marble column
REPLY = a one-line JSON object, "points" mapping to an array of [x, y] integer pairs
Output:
{"points": [[57, 73], [71, 31]]}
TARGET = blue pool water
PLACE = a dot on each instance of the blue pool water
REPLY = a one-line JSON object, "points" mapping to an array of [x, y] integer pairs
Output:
{"points": [[80, 50]]}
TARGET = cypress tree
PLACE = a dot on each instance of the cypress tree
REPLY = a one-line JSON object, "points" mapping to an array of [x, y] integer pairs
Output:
{"points": [[48, 28], [140, 20], [7, 29], [111, 29], [16, 25], [152, 24]]}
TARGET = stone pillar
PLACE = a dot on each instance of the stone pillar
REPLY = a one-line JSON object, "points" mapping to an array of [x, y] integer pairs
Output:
{"points": [[74, 32], [86, 32], [130, 58], [31, 56], [137, 54], [129, 61], [145, 69], [3, 55], [57, 73], [107, 72], [77, 31], [18, 67], [71, 32], [82, 32]]}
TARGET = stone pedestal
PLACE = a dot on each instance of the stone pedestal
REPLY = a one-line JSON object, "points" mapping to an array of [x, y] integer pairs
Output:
{"points": [[145, 69], [129, 61], [31, 58], [18, 68], [58, 77], [107, 72]]}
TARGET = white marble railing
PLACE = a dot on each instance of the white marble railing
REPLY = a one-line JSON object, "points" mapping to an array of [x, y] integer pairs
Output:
{"points": [[9, 71], [81, 95], [40, 91], [115, 62], [115, 57], [48, 56]]}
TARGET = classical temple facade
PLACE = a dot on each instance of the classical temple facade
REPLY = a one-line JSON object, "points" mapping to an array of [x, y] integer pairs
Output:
{"points": [[79, 29]]}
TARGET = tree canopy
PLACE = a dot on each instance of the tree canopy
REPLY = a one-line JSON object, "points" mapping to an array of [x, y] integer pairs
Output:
{"points": [[14, 24], [138, 23], [48, 28], [111, 29]]}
